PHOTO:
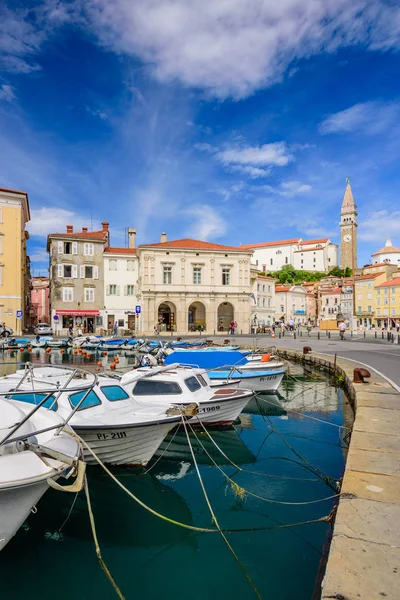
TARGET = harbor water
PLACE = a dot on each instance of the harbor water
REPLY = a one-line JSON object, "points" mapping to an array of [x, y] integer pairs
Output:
{"points": [[287, 451]]}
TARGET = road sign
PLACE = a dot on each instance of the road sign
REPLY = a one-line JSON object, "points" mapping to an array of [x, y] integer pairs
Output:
{"points": [[19, 314], [138, 310], [55, 318]]}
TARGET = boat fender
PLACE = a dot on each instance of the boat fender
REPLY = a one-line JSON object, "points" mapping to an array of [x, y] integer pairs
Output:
{"points": [[188, 410]]}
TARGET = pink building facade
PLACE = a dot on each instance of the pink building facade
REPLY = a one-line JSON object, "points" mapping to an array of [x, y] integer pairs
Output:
{"points": [[40, 312]]}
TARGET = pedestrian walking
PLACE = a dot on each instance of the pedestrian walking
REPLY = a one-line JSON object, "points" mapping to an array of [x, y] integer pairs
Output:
{"points": [[232, 327], [115, 329]]}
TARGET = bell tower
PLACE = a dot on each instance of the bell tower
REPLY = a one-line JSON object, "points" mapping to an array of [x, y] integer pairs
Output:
{"points": [[348, 230]]}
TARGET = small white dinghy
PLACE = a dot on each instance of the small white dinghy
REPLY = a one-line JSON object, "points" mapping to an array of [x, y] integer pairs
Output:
{"points": [[33, 455], [183, 385], [119, 429]]}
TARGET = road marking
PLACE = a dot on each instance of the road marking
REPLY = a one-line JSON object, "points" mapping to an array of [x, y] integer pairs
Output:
{"points": [[392, 383]]}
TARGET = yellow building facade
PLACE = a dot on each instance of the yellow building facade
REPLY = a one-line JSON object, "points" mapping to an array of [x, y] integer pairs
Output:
{"points": [[388, 297], [14, 263], [367, 301]]}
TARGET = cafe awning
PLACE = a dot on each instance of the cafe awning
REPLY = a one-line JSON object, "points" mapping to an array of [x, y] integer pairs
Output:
{"points": [[78, 313]]}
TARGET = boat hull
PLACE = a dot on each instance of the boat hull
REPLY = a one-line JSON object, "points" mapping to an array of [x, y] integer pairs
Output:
{"points": [[251, 380], [220, 412], [16, 504], [123, 445]]}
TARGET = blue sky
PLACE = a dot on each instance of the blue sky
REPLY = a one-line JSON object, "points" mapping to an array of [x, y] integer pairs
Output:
{"points": [[228, 121]]}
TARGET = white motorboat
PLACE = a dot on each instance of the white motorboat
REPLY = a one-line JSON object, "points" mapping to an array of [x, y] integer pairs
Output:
{"points": [[120, 430], [90, 342], [182, 385], [254, 379], [33, 455]]}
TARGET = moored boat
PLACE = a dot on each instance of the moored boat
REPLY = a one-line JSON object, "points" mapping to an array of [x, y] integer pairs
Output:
{"points": [[257, 380], [182, 385], [118, 428], [33, 455]]}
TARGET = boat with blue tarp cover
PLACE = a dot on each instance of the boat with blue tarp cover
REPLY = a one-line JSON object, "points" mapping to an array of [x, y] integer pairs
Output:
{"points": [[206, 359]]}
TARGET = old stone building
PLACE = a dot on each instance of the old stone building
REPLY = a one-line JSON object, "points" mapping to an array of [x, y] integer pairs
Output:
{"points": [[348, 230], [190, 285], [77, 278]]}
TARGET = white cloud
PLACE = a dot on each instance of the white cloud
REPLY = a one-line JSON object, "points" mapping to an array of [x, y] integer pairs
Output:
{"points": [[96, 113], [39, 256], [232, 47], [380, 225], [292, 188], [276, 154], [7, 93], [207, 223], [367, 117], [254, 172], [47, 220]]}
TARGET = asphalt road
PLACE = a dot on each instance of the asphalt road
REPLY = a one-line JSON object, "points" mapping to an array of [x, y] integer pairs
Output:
{"points": [[382, 356]]}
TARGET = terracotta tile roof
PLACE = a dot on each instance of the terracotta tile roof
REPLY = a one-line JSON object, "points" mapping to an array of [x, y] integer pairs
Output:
{"points": [[390, 283], [266, 277], [369, 276], [86, 235], [306, 242], [309, 249], [382, 264], [334, 291], [12, 191], [282, 288], [386, 250], [189, 244], [267, 244], [120, 250]]}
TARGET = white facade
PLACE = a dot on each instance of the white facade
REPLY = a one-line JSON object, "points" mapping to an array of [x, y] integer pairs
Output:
{"points": [[291, 303], [121, 272], [310, 255], [331, 304], [262, 301], [387, 254], [189, 285]]}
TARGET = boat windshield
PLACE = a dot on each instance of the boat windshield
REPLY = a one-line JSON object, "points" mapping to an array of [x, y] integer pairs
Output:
{"points": [[91, 400], [202, 380], [192, 384], [148, 387], [114, 393], [34, 398]]}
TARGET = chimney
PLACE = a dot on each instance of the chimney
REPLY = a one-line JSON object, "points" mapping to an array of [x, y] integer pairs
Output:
{"points": [[131, 237], [105, 225], [70, 229], [163, 238], [84, 229]]}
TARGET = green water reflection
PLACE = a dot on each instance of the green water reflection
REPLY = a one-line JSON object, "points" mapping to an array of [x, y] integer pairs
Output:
{"points": [[152, 559]]}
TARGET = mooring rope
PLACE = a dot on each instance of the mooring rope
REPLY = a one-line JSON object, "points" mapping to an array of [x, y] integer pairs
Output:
{"points": [[192, 527], [163, 453], [262, 498], [247, 470], [330, 481], [96, 543], [214, 518]]}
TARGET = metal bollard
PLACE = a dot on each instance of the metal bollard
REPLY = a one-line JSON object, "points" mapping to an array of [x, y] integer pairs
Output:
{"points": [[398, 339], [364, 333], [294, 335], [351, 335], [383, 334], [329, 335], [318, 335], [376, 334], [306, 349], [359, 375], [280, 335]]}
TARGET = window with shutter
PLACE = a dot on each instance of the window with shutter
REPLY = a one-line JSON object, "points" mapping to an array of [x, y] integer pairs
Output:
{"points": [[74, 247], [96, 272], [118, 287], [59, 270], [75, 271], [82, 271], [60, 247]]}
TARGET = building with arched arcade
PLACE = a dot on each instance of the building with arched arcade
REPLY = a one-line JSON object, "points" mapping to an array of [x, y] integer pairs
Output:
{"points": [[190, 285]]}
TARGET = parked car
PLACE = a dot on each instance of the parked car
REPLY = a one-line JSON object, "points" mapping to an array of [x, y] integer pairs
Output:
{"points": [[43, 329], [5, 331]]}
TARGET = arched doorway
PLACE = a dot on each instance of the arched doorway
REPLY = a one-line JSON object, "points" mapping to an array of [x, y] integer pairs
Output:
{"points": [[167, 316], [196, 317], [226, 314]]}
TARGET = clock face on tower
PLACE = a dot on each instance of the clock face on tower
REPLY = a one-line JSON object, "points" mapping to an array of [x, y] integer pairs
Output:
{"points": [[347, 237]]}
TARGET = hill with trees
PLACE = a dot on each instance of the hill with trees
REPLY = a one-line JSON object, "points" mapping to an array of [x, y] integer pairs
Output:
{"points": [[289, 274]]}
